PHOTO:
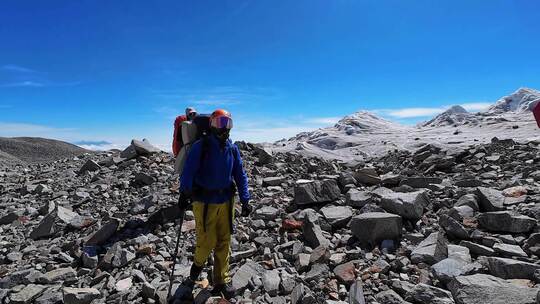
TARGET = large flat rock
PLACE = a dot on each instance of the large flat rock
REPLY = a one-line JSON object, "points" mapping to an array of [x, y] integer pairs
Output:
{"points": [[409, 205], [487, 289]]}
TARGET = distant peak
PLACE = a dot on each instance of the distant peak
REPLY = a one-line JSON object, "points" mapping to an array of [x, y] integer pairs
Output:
{"points": [[457, 109], [454, 115]]}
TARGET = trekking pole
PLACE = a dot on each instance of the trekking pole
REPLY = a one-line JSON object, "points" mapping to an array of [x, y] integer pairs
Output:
{"points": [[175, 255]]}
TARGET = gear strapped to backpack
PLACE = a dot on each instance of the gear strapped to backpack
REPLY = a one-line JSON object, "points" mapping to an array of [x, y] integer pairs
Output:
{"points": [[190, 132]]}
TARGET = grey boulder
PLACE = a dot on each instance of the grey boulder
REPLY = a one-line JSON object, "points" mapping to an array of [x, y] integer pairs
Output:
{"points": [[505, 221], [423, 293], [487, 289], [408, 205], [490, 199], [337, 216], [373, 227], [316, 192], [431, 250], [511, 269], [80, 295]]}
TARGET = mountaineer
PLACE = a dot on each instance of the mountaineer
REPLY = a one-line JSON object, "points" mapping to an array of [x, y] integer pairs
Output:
{"points": [[211, 174], [178, 143]]}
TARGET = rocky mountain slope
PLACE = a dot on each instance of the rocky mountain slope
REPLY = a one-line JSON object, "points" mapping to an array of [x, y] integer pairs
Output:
{"points": [[364, 134], [35, 150], [432, 225]]}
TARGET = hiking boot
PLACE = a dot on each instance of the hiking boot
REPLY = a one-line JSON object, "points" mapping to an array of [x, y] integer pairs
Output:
{"points": [[225, 290], [195, 272], [183, 293]]}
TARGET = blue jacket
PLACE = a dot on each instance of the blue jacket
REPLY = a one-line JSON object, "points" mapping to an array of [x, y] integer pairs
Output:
{"points": [[215, 172]]}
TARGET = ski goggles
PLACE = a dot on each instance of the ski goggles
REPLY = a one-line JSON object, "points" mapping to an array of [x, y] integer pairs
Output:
{"points": [[222, 122]]}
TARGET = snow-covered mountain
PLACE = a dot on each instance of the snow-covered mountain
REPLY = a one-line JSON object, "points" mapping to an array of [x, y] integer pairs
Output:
{"points": [[365, 134], [521, 101]]}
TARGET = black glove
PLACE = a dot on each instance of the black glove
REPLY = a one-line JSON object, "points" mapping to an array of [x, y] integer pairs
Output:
{"points": [[246, 209], [184, 201]]}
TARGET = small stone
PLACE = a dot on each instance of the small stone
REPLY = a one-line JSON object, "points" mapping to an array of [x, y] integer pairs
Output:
{"points": [[346, 272], [58, 275], [273, 181], [80, 295], [313, 234], [302, 262], [144, 179], [148, 290], [431, 250], [357, 199], [356, 293], [291, 225], [89, 166], [317, 271], [124, 284], [390, 296], [423, 293], [337, 216], [271, 281], [478, 249], [367, 176], [9, 218], [508, 250], [27, 294], [266, 213]]}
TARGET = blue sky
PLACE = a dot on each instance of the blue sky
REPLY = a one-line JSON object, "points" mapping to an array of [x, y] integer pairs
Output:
{"points": [[108, 71]]}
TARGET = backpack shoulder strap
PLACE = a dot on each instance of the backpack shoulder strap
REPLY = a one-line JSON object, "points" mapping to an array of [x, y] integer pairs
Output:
{"points": [[204, 148]]}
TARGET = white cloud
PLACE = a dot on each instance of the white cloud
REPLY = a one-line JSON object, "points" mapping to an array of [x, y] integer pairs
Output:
{"points": [[33, 84], [419, 112], [103, 147], [476, 106], [324, 120], [17, 68], [271, 134], [24, 129], [411, 112], [271, 130]]}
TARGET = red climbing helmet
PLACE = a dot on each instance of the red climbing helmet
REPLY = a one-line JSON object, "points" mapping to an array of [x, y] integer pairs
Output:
{"points": [[221, 119]]}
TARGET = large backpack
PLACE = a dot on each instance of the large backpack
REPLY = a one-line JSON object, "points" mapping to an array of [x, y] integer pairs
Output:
{"points": [[191, 131]]}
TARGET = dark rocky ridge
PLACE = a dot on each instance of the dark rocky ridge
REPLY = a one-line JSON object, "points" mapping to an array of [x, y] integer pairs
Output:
{"points": [[36, 150]]}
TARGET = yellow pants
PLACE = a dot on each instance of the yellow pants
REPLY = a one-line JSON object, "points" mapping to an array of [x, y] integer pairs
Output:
{"points": [[217, 237]]}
